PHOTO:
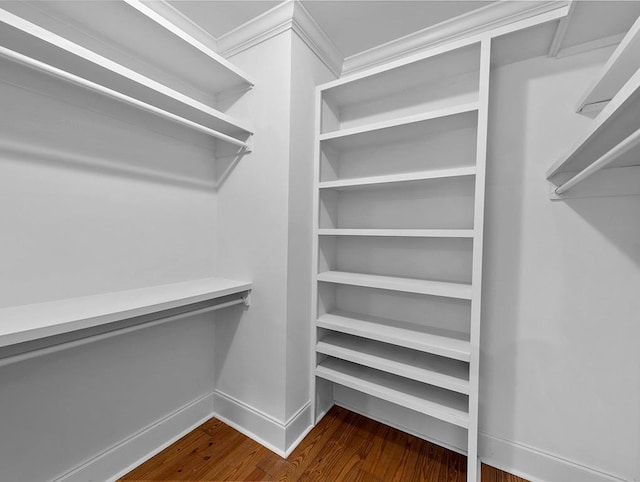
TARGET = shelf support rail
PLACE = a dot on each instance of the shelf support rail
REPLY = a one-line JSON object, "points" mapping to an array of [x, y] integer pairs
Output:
{"points": [[106, 91], [611, 155], [11, 359]]}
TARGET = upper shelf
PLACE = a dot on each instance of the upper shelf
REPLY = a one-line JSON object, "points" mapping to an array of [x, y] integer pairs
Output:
{"points": [[29, 322], [134, 34], [404, 129], [623, 63], [30, 44], [396, 91], [611, 141]]}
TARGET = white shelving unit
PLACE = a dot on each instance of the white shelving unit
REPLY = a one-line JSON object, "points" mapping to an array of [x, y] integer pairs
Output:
{"points": [[400, 163], [53, 38], [605, 160]]}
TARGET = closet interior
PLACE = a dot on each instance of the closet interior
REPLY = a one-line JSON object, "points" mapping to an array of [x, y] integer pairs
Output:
{"points": [[235, 210]]}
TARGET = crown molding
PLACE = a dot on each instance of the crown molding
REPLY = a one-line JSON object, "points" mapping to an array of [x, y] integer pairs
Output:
{"points": [[257, 30], [487, 18], [311, 34], [284, 16]]}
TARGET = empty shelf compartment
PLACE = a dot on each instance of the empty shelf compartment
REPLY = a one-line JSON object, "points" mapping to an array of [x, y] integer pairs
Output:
{"points": [[416, 365], [445, 343], [436, 402], [408, 285]]}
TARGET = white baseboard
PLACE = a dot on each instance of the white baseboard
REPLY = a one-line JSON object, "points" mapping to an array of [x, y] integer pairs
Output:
{"points": [[281, 438], [144, 444], [535, 465]]}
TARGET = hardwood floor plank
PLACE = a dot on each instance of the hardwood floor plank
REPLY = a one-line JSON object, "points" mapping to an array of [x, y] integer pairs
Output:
{"points": [[343, 447]]}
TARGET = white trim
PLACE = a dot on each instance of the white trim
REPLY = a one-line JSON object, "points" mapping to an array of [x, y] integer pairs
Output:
{"points": [[291, 14], [284, 16], [536, 465], [144, 444], [278, 436], [320, 44], [257, 30], [487, 18]]}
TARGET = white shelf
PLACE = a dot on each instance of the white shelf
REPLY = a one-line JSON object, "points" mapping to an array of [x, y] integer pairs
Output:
{"points": [[422, 367], [404, 129], [445, 343], [612, 140], [438, 403], [406, 285], [400, 233], [40, 49], [623, 63], [362, 182], [29, 322], [402, 76], [140, 35]]}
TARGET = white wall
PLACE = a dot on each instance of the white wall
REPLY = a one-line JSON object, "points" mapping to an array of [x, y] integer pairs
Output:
{"points": [[96, 197], [253, 239], [561, 313], [307, 72], [262, 357]]}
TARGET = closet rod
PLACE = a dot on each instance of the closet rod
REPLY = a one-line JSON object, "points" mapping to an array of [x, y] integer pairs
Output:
{"points": [[611, 155], [11, 359], [89, 85]]}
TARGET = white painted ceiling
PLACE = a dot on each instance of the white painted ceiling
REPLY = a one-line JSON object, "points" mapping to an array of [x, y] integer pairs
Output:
{"points": [[221, 16], [353, 25], [592, 20], [357, 25]]}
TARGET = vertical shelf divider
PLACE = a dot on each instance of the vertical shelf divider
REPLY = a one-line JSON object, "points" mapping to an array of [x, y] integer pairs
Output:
{"points": [[473, 462]]}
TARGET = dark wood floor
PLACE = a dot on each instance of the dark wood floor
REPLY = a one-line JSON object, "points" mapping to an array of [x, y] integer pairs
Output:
{"points": [[344, 446]]}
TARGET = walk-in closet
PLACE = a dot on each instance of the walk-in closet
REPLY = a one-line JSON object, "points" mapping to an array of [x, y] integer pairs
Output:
{"points": [[319, 240]]}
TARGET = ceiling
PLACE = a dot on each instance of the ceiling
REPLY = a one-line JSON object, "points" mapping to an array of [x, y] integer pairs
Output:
{"points": [[221, 16], [592, 20], [357, 25], [352, 25]]}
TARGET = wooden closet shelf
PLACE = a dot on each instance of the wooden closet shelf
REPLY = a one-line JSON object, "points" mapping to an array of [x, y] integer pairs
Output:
{"points": [[613, 138], [415, 365], [407, 285], [139, 34], [31, 45], [400, 233], [404, 129], [436, 402], [29, 322], [440, 342], [623, 63], [381, 181]]}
